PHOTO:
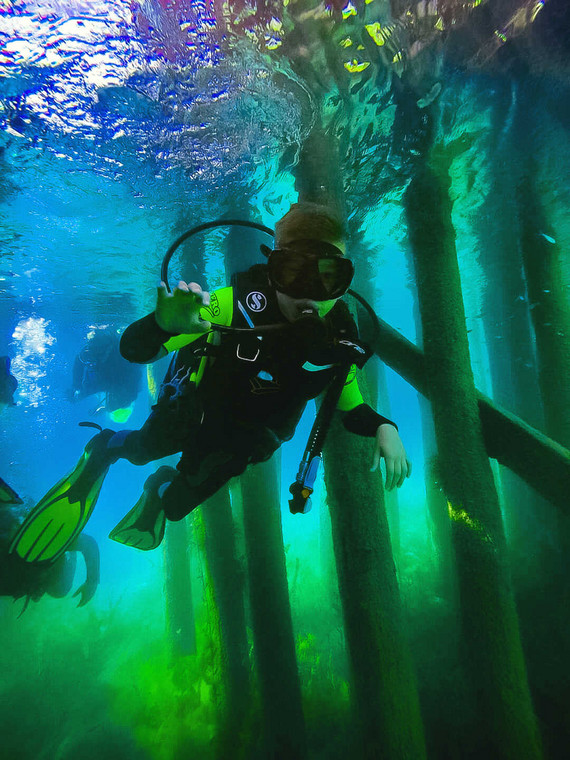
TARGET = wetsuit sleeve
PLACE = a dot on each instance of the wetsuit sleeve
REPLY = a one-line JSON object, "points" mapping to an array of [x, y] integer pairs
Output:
{"points": [[359, 417], [363, 420], [144, 341], [141, 342]]}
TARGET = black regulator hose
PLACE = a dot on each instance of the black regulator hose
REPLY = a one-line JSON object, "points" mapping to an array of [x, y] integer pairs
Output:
{"points": [[268, 231], [200, 228], [369, 310]]}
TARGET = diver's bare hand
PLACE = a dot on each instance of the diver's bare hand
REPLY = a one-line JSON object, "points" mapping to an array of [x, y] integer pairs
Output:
{"points": [[389, 446], [179, 311]]}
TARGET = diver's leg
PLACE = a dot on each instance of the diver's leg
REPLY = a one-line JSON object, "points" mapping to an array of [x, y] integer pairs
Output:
{"points": [[60, 579], [167, 431], [170, 492], [198, 479], [146, 445], [183, 495], [56, 521], [173, 493]]}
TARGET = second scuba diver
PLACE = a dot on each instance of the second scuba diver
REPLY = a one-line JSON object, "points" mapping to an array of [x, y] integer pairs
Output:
{"points": [[34, 580], [100, 368], [229, 398]]}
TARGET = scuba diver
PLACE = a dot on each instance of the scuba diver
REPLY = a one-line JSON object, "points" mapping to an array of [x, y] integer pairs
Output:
{"points": [[18, 578], [100, 368], [8, 383], [248, 358]]}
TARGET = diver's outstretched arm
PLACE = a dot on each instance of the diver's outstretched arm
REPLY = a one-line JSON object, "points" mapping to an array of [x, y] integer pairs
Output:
{"points": [[176, 313]]}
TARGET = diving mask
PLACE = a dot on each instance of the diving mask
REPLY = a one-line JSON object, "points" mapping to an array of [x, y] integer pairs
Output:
{"points": [[309, 269]]}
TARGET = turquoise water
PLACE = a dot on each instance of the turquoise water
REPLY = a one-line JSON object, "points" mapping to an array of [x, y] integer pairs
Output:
{"points": [[124, 123]]}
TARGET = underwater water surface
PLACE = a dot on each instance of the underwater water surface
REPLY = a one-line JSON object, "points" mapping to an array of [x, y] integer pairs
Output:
{"points": [[430, 621]]}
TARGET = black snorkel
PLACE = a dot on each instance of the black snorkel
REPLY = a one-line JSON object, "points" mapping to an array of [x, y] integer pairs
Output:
{"points": [[302, 488]]}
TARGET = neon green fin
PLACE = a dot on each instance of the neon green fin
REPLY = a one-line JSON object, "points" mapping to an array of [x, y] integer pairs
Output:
{"points": [[143, 527], [55, 522], [140, 531]]}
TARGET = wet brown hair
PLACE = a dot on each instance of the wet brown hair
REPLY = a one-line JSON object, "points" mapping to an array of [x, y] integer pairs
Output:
{"points": [[309, 220]]}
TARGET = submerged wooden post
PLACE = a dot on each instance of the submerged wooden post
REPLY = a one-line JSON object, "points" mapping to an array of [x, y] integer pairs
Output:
{"points": [[274, 642], [178, 585], [544, 265], [543, 463], [492, 645], [228, 582], [384, 692], [383, 686]]}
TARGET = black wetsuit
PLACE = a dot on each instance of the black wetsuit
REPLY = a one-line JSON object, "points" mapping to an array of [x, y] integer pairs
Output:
{"points": [[249, 399]]}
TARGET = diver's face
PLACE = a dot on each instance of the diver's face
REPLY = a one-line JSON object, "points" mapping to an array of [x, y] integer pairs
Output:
{"points": [[294, 308]]}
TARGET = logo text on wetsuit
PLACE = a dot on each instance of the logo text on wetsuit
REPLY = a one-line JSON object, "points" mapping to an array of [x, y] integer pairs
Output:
{"points": [[256, 301], [214, 307]]}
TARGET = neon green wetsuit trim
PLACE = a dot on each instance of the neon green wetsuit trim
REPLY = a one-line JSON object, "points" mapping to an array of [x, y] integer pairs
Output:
{"points": [[351, 397], [220, 311]]}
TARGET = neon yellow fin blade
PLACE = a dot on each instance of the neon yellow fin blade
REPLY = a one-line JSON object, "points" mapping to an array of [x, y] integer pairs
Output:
{"points": [[56, 521], [143, 527]]}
